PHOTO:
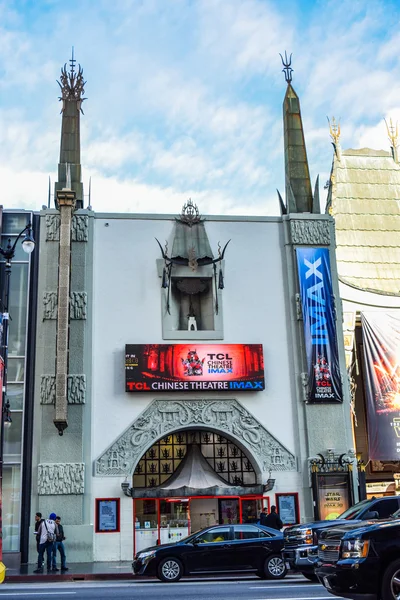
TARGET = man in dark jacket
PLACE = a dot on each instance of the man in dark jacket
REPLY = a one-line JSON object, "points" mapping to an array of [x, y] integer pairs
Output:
{"points": [[272, 520], [263, 516], [58, 545], [38, 520]]}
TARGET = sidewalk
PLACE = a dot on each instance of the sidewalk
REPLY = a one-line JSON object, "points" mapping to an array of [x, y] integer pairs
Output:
{"points": [[76, 572]]}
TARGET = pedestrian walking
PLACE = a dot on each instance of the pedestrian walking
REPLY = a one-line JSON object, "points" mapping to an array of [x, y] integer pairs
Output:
{"points": [[47, 536], [59, 545], [273, 520], [263, 516]]}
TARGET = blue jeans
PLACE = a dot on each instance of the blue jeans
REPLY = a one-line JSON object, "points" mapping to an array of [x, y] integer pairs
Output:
{"points": [[48, 548], [59, 546]]}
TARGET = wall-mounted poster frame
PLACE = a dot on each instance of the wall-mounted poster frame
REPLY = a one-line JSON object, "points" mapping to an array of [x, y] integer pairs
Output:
{"points": [[107, 515], [287, 506], [333, 494]]}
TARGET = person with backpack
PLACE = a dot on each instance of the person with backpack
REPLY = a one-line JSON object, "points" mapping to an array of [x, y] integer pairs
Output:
{"points": [[58, 545], [47, 532]]}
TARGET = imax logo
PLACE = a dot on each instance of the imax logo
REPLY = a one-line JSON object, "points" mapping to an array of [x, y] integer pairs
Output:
{"points": [[316, 304]]}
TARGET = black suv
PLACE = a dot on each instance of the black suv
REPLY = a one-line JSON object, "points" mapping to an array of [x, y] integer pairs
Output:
{"points": [[301, 541], [361, 560]]}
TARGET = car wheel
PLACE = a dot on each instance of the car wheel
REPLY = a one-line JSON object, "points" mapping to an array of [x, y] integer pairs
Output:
{"points": [[391, 581], [310, 576], [274, 567], [170, 570]]}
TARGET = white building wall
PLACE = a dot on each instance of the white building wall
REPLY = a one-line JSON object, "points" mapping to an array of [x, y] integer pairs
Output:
{"points": [[127, 309]]}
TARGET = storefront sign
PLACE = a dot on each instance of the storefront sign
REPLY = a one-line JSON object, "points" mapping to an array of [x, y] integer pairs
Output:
{"points": [[381, 337], [324, 380], [333, 494], [194, 367]]}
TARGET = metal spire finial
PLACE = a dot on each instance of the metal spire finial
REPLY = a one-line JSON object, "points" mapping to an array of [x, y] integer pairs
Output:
{"points": [[72, 84], [72, 62], [334, 130], [287, 69], [393, 132]]}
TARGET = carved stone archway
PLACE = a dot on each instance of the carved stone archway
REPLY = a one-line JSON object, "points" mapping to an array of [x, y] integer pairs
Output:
{"points": [[163, 417]]}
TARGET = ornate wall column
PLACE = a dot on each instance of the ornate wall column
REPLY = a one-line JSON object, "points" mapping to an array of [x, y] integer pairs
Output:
{"points": [[66, 204]]}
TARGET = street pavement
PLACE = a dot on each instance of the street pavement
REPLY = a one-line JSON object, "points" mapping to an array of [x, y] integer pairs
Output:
{"points": [[290, 588]]}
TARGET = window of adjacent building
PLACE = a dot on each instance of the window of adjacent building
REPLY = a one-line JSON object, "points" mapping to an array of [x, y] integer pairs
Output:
{"points": [[12, 224]]}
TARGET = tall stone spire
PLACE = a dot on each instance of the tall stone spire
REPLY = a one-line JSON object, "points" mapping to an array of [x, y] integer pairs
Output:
{"points": [[299, 196], [72, 91]]}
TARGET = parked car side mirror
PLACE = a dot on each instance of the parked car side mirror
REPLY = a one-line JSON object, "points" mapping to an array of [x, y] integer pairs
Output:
{"points": [[371, 514]]}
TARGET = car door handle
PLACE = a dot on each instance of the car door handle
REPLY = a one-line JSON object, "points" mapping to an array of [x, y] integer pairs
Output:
{"points": [[227, 546]]}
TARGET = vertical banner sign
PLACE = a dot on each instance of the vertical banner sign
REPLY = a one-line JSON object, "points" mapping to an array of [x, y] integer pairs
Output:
{"points": [[381, 337], [324, 380]]}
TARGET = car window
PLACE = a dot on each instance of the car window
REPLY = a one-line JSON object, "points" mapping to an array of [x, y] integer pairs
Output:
{"points": [[219, 534], [245, 532], [351, 512], [384, 508], [265, 534]]}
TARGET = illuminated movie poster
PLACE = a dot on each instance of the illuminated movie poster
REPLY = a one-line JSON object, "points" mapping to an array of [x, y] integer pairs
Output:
{"points": [[381, 337], [317, 301], [333, 495], [191, 367]]}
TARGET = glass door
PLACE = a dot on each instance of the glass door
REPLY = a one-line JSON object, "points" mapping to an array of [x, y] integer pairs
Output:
{"points": [[174, 519], [252, 507], [228, 511], [145, 524]]}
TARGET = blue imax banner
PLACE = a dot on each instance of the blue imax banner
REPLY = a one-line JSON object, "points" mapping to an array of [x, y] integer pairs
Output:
{"points": [[324, 380]]}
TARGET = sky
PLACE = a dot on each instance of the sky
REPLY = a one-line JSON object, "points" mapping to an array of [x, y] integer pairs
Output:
{"points": [[184, 97]]}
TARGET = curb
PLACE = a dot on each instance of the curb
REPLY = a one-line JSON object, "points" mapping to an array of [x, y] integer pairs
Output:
{"points": [[72, 577]]}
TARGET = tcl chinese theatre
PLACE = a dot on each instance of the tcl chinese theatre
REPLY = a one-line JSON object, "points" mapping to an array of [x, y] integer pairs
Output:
{"points": [[189, 368]]}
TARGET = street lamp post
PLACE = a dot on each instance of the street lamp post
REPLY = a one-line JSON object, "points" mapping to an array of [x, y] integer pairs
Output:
{"points": [[28, 245]]}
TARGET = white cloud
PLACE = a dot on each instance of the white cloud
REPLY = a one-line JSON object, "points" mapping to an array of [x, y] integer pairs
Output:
{"points": [[183, 96]]}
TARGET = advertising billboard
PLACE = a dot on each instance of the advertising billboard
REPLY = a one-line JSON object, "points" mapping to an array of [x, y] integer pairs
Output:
{"points": [[194, 367], [318, 307], [381, 341]]}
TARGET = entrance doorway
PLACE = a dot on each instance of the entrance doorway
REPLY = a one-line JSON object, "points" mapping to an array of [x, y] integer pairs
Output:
{"points": [[165, 520]]}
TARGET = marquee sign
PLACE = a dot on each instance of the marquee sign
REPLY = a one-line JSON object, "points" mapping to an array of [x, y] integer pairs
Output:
{"points": [[194, 367]]}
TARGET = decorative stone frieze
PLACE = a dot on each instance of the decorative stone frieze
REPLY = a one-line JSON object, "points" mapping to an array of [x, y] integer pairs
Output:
{"points": [[299, 310], [163, 417], [52, 228], [79, 228], [49, 305], [78, 304], [76, 389], [311, 232], [56, 479], [47, 389]]}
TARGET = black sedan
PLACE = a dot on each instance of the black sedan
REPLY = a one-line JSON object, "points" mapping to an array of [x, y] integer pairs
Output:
{"points": [[222, 548]]}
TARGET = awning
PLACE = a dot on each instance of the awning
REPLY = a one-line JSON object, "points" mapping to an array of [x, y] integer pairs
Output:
{"points": [[195, 477]]}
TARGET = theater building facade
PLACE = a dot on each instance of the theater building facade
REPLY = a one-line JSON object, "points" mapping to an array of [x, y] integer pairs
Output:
{"points": [[190, 368]]}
